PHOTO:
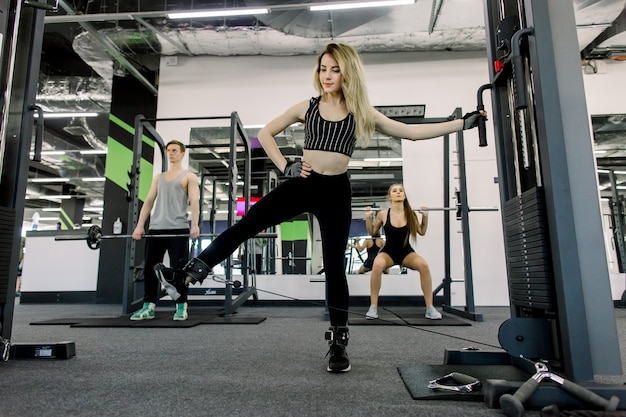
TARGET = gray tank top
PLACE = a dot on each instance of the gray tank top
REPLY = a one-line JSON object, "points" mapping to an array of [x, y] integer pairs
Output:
{"points": [[170, 207]]}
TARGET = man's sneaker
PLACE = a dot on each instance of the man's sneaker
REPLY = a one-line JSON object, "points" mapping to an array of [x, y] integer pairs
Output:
{"points": [[432, 313], [338, 361], [146, 312], [181, 312], [166, 277], [372, 313]]}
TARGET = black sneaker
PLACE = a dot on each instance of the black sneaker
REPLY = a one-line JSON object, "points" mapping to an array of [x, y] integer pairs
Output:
{"points": [[338, 361], [166, 277]]}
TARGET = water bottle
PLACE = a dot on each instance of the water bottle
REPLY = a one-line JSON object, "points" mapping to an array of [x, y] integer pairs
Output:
{"points": [[117, 227]]}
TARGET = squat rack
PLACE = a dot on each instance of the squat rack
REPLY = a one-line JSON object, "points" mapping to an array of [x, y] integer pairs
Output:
{"points": [[462, 214], [238, 137]]}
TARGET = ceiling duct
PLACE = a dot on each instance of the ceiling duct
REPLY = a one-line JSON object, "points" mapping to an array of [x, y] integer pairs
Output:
{"points": [[302, 32], [78, 127], [262, 41], [74, 94]]}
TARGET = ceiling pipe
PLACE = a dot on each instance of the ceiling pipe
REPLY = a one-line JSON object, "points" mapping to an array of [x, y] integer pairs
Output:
{"points": [[178, 45], [112, 50]]}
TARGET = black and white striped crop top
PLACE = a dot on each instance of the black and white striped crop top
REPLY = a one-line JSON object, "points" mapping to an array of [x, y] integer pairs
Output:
{"points": [[324, 135]]}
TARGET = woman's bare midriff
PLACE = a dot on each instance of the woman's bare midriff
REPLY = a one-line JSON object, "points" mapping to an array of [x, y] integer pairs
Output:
{"points": [[326, 163]]}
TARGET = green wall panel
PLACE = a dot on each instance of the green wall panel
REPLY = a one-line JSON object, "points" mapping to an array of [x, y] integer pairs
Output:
{"points": [[119, 161]]}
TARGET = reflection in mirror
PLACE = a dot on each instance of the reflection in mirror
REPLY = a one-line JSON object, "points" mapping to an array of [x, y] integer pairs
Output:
{"points": [[609, 133], [371, 170]]}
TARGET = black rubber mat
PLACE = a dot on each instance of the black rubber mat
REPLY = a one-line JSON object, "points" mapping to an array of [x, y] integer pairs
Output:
{"points": [[416, 379], [124, 321], [163, 318], [234, 320], [59, 322], [394, 316]]}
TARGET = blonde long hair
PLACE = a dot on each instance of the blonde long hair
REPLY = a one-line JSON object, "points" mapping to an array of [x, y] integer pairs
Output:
{"points": [[409, 214], [352, 87]]}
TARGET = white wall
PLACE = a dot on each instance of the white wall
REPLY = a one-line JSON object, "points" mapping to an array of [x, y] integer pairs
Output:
{"points": [[53, 266], [259, 88]]}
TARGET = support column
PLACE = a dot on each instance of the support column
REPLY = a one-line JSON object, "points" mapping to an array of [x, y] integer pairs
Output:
{"points": [[129, 98]]}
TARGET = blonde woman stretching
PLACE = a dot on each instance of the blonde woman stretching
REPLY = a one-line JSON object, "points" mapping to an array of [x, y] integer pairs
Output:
{"points": [[334, 121], [401, 224]]}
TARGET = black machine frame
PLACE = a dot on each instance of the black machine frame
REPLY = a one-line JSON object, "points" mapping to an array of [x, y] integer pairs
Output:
{"points": [[21, 24], [560, 300]]}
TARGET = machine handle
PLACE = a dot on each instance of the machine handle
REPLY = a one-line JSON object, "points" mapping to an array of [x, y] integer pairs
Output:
{"points": [[482, 129], [590, 397], [513, 405], [517, 66]]}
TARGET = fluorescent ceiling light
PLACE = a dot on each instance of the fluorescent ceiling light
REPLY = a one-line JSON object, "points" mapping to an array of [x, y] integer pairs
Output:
{"points": [[94, 209], [57, 197], [48, 180], [50, 153], [94, 152], [51, 209], [217, 13], [62, 115], [49, 197], [93, 179], [83, 152], [599, 151], [359, 5]]}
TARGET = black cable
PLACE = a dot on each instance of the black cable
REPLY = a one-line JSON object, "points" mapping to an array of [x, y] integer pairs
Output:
{"points": [[315, 303]]}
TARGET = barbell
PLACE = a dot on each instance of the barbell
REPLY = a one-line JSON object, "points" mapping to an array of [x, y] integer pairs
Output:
{"points": [[433, 208], [94, 236]]}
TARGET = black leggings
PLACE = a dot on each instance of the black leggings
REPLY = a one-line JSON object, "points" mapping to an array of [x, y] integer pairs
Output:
{"points": [[328, 198], [177, 249]]}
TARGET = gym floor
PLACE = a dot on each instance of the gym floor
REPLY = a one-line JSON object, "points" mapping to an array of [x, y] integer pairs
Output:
{"points": [[275, 368]]}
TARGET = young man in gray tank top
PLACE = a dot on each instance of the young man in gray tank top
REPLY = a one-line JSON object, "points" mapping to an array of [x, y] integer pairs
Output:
{"points": [[170, 194]]}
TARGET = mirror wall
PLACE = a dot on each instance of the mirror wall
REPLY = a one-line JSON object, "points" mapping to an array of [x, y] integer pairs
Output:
{"points": [[609, 135], [372, 170]]}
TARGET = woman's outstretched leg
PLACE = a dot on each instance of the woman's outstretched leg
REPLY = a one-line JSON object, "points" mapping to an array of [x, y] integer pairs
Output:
{"points": [[286, 201]]}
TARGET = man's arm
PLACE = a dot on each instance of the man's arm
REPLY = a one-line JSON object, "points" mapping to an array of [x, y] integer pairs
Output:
{"points": [[146, 209], [193, 192]]}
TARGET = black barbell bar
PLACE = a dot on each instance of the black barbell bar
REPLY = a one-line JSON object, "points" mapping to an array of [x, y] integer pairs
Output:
{"points": [[433, 209], [94, 236]]}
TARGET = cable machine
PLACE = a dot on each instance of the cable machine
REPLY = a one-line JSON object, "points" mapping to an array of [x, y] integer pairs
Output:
{"points": [[562, 315]]}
